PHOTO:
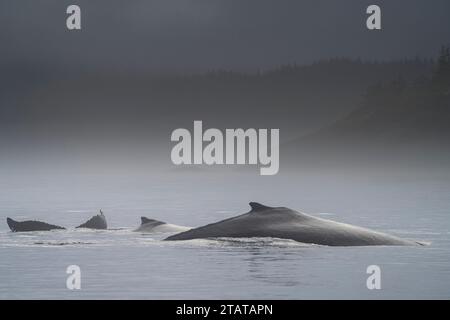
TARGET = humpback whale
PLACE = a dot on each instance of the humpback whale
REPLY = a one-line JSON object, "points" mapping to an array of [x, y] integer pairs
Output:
{"points": [[285, 223], [155, 226], [30, 225], [96, 222]]}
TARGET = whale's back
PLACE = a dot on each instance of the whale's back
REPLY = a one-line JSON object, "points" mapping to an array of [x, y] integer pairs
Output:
{"points": [[285, 223], [96, 222], [156, 226], [30, 225]]}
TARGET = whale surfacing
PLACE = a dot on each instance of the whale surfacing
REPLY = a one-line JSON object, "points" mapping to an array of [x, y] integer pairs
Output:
{"points": [[285, 223], [96, 222], [30, 225], [156, 226]]}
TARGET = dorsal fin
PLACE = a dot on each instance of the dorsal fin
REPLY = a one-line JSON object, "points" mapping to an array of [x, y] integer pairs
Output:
{"points": [[145, 220], [258, 206]]}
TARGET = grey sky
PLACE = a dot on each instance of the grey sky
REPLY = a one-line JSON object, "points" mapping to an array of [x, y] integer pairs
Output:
{"points": [[197, 35]]}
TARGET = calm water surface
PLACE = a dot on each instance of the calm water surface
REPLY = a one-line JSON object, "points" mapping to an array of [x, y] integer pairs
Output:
{"points": [[124, 264]]}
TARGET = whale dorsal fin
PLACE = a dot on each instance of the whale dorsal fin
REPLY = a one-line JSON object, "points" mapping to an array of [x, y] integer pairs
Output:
{"points": [[258, 207], [145, 220]]}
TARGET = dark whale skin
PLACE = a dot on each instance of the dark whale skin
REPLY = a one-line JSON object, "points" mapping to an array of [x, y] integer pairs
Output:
{"points": [[30, 225], [96, 222], [151, 222], [285, 223]]}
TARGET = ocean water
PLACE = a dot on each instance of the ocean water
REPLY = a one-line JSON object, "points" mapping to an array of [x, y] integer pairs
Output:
{"points": [[122, 264]]}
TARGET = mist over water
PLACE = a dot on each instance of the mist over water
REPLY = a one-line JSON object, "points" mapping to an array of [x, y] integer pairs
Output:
{"points": [[86, 118], [63, 163]]}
